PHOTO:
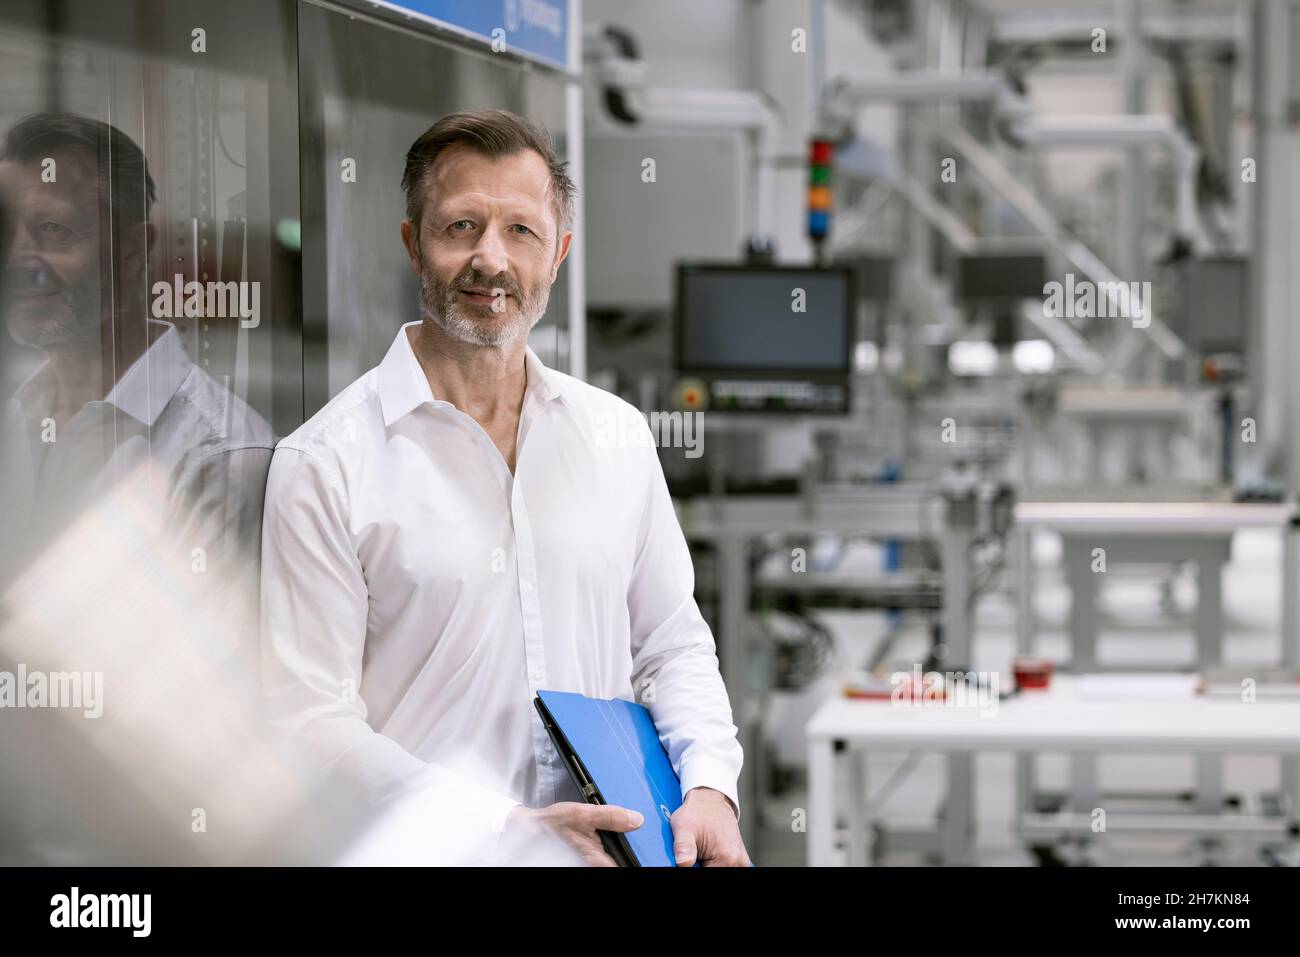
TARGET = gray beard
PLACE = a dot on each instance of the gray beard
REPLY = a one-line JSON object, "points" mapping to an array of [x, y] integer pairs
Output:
{"points": [[64, 330], [439, 307]]}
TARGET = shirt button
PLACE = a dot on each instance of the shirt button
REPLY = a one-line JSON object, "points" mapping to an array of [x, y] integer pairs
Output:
{"points": [[527, 587], [537, 676]]}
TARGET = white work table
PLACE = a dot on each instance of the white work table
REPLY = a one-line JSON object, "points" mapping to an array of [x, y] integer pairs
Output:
{"points": [[1128, 532], [1164, 518], [1076, 714], [1142, 532]]}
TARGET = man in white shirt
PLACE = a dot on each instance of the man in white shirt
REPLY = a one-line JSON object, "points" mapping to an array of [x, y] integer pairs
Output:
{"points": [[451, 533]]}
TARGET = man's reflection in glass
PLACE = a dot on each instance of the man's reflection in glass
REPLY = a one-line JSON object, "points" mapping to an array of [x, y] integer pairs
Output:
{"points": [[131, 487], [117, 388]]}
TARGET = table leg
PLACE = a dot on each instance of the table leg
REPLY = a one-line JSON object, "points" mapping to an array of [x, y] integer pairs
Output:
{"points": [[1209, 654], [1290, 598], [1085, 793], [1209, 784], [856, 760], [1291, 785], [956, 614], [1209, 613], [1083, 605], [1290, 657], [821, 802], [958, 835], [1026, 628], [735, 663], [1026, 775], [1025, 624]]}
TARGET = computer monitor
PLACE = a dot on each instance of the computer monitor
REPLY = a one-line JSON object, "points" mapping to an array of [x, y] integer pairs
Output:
{"points": [[1214, 294], [873, 276], [766, 338], [1000, 276]]}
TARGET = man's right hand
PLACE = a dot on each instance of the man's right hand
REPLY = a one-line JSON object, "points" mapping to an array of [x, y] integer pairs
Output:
{"points": [[576, 825]]}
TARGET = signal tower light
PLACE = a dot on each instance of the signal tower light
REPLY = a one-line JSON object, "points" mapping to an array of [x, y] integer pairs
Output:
{"points": [[821, 153]]}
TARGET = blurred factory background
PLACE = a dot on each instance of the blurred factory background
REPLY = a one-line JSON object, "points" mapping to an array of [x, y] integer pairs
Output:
{"points": [[968, 327]]}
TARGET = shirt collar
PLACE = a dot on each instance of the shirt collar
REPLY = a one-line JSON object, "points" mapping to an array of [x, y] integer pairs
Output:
{"points": [[146, 388], [36, 395], [404, 387], [142, 393]]}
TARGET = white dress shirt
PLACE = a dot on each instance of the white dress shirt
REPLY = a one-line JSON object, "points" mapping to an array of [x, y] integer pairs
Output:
{"points": [[417, 595]]}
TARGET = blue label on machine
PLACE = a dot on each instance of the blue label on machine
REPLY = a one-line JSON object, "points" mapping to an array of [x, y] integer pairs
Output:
{"points": [[535, 28]]}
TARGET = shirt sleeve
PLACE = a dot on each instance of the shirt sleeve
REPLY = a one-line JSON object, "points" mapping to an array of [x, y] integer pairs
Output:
{"points": [[675, 670], [314, 614]]}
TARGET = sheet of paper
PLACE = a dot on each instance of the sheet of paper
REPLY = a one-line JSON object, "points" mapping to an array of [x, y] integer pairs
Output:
{"points": [[1142, 686]]}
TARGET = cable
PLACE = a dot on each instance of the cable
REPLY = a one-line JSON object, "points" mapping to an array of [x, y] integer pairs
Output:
{"points": [[216, 125], [990, 572], [800, 657]]}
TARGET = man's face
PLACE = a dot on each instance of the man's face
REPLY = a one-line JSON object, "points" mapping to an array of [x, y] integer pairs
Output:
{"points": [[487, 247], [52, 287]]}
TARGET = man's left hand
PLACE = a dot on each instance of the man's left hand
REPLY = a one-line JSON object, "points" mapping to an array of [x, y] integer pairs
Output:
{"points": [[705, 828]]}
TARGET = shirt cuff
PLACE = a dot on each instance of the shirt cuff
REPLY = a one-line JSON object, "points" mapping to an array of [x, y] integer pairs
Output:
{"points": [[705, 772], [481, 806], [497, 810], [491, 810]]}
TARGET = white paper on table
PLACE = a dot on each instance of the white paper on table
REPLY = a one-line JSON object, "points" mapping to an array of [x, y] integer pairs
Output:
{"points": [[1138, 686]]}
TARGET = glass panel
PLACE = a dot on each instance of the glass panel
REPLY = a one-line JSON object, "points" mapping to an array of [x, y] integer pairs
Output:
{"points": [[148, 164]]}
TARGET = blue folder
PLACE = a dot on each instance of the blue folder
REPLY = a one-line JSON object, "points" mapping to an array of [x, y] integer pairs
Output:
{"points": [[613, 754]]}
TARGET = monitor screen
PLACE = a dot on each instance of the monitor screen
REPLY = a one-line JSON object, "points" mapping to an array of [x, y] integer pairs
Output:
{"points": [[1000, 276], [760, 319], [1216, 303], [873, 275]]}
